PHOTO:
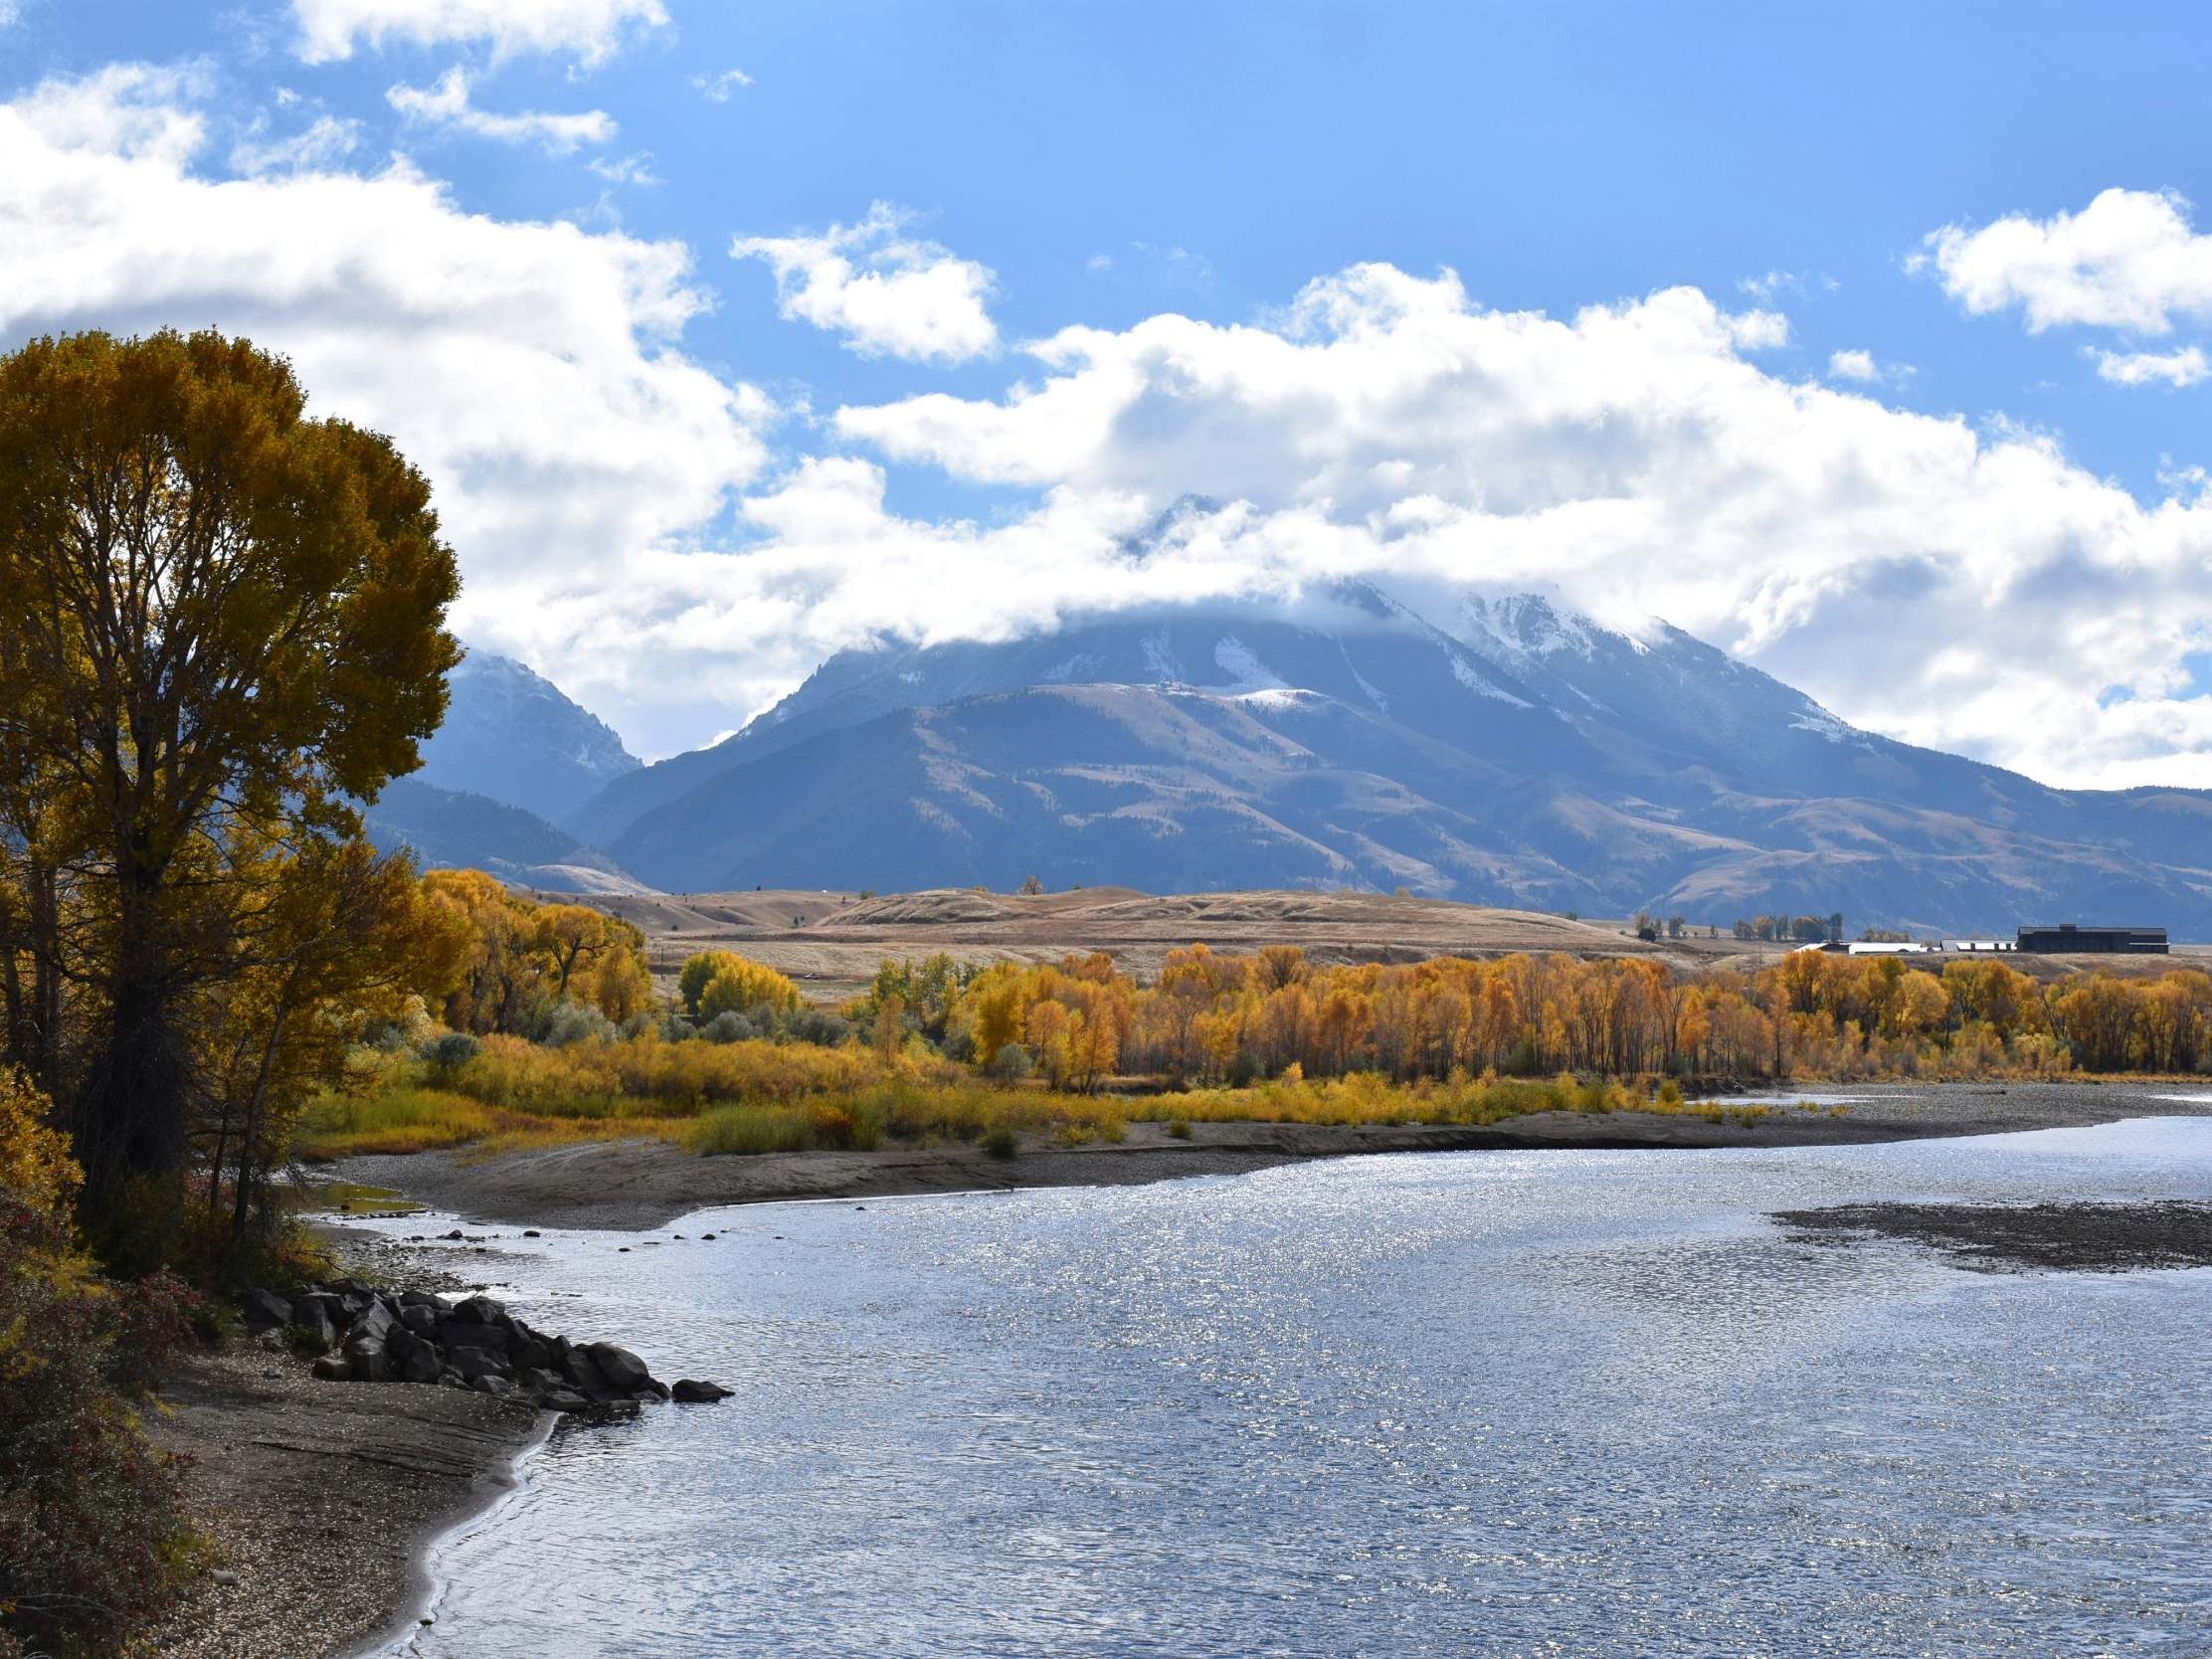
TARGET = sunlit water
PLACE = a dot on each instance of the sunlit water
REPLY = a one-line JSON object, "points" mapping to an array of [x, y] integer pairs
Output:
{"points": [[1528, 1403]]}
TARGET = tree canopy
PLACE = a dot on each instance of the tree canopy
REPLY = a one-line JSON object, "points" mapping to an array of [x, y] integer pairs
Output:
{"points": [[224, 632]]}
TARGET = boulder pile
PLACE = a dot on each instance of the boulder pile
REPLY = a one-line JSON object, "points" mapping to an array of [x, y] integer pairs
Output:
{"points": [[366, 1334]]}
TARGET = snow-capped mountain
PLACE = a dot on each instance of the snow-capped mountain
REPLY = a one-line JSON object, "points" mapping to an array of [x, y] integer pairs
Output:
{"points": [[1507, 750], [512, 736]]}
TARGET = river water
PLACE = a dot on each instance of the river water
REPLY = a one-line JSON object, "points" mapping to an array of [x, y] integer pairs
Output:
{"points": [[1486, 1404]]}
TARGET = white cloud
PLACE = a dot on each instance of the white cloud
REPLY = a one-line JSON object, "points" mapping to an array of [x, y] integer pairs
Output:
{"points": [[1859, 365], [719, 87], [446, 104], [630, 169], [323, 144], [139, 111], [1771, 286], [2140, 368], [889, 294], [1631, 455], [535, 372], [2129, 259], [588, 30], [1635, 454]]}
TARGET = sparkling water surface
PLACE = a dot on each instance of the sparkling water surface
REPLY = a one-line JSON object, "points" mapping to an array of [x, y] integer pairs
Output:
{"points": [[1554, 1403]]}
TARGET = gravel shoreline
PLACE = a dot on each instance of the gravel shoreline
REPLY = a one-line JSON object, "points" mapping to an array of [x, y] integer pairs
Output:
{"points": [[321, 1500]]}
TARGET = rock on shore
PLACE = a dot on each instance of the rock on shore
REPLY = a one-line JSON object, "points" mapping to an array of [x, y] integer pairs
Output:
{"points": [[367, 1334]]}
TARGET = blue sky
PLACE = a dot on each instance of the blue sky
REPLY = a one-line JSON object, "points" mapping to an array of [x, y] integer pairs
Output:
{"points": [[1105, 167]]}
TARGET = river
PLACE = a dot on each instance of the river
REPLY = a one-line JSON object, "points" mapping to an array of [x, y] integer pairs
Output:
{"points": [[1486, 1403]]}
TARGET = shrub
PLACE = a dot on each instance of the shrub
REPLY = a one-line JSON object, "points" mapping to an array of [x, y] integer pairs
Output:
{"points": [[1179, 1129], [91, 1529], [566, 1023], [448, 1052], [1009, 1063], [1003, 1142], [734, 1026]]}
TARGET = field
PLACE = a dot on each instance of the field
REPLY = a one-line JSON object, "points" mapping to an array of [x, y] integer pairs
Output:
{"points": [[831, 942]]}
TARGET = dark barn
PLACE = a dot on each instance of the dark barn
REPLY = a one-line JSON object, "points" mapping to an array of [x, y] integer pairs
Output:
{"points": [[2122, 941]]}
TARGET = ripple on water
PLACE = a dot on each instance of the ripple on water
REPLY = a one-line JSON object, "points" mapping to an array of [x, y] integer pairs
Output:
{"points": [[1485, 1403]]}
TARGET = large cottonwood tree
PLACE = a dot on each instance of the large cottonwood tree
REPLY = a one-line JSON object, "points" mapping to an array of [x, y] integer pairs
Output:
{"points": [[221, 627]]}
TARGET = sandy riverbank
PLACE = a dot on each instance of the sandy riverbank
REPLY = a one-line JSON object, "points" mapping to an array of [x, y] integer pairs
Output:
{"points": [[633, 1184]]}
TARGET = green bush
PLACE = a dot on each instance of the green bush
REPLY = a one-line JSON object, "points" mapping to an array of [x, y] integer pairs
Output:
{"points": [[1003, 1142]]}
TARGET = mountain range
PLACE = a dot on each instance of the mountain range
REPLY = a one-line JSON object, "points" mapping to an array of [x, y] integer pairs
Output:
{"points": [[1503, 748]]}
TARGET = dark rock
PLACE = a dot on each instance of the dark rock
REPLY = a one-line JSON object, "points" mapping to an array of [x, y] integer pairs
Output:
{"points": [[312, 1317], [456, 1234], [565, 1400], [708, 1237], [690, 1390], [487, 1384], [475, 1364], [266, 1307], [422, 1365], [530, 1232], [492, 1339], [423, 1299], [367, 1360], [420, 1320], [333, 1371], [623, 1370], [530, 1353], [452, 1380], [480, 1310], [582, 1374], [374, 1324], [332, 1306], [537, 1381]]}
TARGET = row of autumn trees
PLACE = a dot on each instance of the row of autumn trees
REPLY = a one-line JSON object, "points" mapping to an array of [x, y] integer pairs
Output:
{"points": [[1211, 1017]]}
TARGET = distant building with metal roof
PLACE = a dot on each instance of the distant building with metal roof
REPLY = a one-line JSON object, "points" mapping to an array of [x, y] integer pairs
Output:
{"points": [[2067, 937]]}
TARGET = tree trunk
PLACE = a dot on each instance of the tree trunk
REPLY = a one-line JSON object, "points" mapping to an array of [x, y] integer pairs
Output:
{"points": [[130, 1112]]}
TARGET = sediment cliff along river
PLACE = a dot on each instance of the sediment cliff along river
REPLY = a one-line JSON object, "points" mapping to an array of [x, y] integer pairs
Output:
{"points": [[1525, 1403]]}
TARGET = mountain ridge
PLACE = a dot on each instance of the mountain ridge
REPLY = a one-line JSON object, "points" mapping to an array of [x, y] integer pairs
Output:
{"points": [[1514, 752]]}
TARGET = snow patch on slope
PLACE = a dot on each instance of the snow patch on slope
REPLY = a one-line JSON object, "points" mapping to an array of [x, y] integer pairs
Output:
{"points": [[1245, 670], [1481, 687]]}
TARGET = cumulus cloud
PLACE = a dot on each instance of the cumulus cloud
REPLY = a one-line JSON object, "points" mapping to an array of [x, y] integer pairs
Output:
{"points": [[887, 291], [2144, 368], [446, 104], [2130, 259], [621, 526], [588, 30], [534, 371], [1632, 454]]}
